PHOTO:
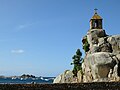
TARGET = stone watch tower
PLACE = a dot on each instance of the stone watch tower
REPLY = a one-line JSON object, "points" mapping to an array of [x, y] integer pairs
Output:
{"points": [[95, 33], [96, 21]]}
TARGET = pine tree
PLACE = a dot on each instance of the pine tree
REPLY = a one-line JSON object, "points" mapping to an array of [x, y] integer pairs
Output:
{"points": [[77, 61]]}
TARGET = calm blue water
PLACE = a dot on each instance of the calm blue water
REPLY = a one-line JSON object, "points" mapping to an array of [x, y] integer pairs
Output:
{"points": [[26, 81]]}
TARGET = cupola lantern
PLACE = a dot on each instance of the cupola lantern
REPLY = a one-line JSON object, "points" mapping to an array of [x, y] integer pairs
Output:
{"points": [[96, 21]]}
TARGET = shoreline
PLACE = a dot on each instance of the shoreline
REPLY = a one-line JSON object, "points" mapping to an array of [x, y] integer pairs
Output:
{"points": [[63, 86]]}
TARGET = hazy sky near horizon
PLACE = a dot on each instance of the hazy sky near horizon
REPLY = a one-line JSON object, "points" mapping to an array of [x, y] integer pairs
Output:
{"points": [[40, 37]]}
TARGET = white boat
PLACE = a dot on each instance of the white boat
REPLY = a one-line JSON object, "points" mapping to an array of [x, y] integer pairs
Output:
{"points": [[13, 77], [41, 78], [21, 78], [46, 79]]}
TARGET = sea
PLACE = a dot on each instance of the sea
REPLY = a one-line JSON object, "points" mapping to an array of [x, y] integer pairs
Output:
{"points": [[42, 80]]}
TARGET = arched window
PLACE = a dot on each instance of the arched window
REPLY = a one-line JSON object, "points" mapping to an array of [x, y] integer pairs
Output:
{"points": [[96, 24]]}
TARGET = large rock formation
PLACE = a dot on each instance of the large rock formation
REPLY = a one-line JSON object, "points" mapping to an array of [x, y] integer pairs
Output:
{"points": [[68, 77], [102, 59], [101, 62]]}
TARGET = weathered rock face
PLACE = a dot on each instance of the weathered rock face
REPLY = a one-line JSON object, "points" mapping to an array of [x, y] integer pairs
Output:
{"points": [[115, 43], [97, 39], [67, 77], [93, 35], [98, 65], [101, 62]]}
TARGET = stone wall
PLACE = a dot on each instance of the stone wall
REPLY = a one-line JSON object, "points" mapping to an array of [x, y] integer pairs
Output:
{"points": [[65, 86]]}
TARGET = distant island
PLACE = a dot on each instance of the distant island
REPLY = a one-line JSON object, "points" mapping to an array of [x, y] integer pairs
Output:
{"points": [[24, 76], [27, 76]]}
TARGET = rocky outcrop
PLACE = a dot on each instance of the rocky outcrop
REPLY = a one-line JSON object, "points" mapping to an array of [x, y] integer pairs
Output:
{"points": [[98, 65], [93, 36], [101, 62], [68, 77], [115, 43]]}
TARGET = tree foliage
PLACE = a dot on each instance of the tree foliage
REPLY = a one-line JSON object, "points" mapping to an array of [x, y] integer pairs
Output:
{"points": [[86, 45], [77, 62]]}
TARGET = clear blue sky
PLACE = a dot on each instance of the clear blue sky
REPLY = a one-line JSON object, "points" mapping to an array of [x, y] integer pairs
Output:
{"points": [[40, 37]]}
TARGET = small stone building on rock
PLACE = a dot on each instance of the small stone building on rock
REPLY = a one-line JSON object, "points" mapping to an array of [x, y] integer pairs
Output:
{"points": [[102, 59]]}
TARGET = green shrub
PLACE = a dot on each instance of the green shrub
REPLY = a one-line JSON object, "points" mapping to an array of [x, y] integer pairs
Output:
{"points": [[86, 45]]}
